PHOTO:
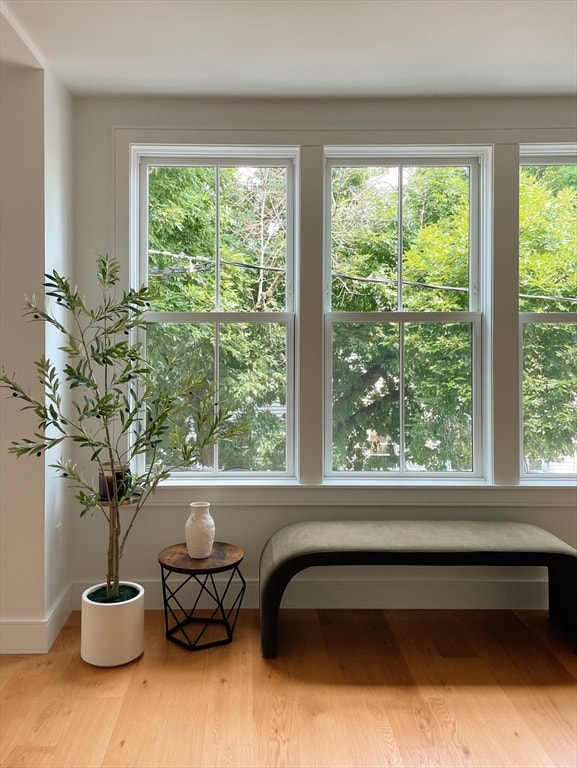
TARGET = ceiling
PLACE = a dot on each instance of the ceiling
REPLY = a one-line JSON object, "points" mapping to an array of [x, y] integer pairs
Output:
{"points": [[290, 48]]}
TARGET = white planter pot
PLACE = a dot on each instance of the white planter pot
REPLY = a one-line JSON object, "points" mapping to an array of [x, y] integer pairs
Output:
{"points": [[112, 634]]}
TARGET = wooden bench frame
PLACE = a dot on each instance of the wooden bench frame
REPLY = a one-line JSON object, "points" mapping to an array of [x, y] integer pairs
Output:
{"points": [[461, 543]]}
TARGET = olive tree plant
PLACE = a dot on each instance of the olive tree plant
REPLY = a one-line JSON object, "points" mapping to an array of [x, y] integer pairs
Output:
{"points": [[119, 406]]}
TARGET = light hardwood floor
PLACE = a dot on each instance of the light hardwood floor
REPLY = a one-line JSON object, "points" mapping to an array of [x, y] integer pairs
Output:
{"points": [[349, 689]]}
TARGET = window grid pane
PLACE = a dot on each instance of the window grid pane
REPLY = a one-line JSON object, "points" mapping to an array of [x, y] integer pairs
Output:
{"points": [[438, 397], [217, 238], [435, 239], [549, 398], [427, 428], [548, 238]]}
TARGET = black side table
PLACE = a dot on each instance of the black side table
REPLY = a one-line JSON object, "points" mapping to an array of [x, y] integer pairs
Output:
{"points": [[184, 625]]}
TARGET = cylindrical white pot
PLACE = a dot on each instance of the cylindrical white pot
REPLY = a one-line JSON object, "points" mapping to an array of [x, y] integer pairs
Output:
{"points": [[199, 530], [112, 634]]}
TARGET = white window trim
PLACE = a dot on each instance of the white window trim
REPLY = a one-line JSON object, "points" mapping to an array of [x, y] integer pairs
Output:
{"points": [[479, 159], [502, 485], [144, 155], [542, 154]]}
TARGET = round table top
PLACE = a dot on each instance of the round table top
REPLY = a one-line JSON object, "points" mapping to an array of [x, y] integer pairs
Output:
{"points": [[222, 558]]}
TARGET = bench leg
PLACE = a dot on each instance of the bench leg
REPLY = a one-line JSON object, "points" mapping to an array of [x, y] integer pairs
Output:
{"points": [[268, 638], [563, 597], [270, 599]]}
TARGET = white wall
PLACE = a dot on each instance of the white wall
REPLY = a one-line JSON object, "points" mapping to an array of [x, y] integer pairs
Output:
{"points": [[35, 163], [248, 515], [22, 561]]}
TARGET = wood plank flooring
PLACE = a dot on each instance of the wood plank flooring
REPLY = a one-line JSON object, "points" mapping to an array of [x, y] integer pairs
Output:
{"points": [[353, 689]]}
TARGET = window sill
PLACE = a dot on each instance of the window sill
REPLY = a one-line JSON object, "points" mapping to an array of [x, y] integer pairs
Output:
{"points": [[286, 492]]}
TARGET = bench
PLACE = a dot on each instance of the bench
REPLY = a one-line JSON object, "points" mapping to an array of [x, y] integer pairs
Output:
{"points": [[414, 542]]}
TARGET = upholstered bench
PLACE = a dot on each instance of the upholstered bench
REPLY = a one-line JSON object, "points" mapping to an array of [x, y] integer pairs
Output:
{"points": [[414, 542]]}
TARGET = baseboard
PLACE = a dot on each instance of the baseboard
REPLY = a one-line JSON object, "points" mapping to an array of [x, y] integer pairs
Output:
{"points": [[35, 635]]}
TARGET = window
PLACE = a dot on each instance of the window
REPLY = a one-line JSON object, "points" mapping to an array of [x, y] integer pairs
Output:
{"points": [[404, 322], [548, 307], [216, 241], [349, 305]]}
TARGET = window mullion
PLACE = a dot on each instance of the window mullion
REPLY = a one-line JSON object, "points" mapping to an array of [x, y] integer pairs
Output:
{"points": [[505, 400], [217, 240], [216, 396], [402, 464], [309, 305], [475, 294], [400, 240]]}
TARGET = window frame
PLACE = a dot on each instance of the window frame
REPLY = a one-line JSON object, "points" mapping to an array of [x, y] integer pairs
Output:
{"points": [[479, 160], [143, 157], [541, 154], [498, 296]]}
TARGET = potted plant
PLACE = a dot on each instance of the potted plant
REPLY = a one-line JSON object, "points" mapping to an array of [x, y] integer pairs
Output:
{"points": [[125, 414]]}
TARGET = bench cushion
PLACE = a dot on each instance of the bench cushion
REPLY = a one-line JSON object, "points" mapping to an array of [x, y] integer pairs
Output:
{"points": [[407, 536]]}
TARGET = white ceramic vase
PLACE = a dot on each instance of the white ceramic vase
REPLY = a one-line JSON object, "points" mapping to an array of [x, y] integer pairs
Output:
{"points": [[112, 634], [199, 530]]}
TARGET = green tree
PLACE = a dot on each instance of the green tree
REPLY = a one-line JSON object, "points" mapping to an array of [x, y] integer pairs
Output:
{"points": [[548, 283], [433, 227], [400, 240], [217, 240]]}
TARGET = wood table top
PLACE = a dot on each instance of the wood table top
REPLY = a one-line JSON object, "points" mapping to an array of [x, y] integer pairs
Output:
{"points": [[222, 558]]}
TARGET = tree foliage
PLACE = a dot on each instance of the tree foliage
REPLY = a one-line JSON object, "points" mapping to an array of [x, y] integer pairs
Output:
{"points": [[231, 259], [548, 283], [400, 240]]}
